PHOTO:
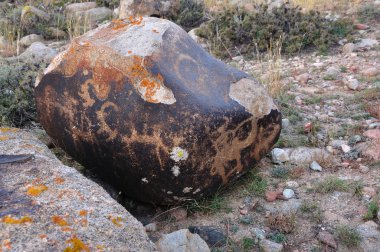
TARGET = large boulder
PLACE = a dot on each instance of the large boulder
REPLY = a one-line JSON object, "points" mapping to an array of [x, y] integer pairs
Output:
{"points": [[152, 113], [161, 8], [46, 206]]}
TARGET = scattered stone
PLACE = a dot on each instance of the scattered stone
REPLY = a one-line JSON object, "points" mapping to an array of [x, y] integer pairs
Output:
{"points": [[348, 48], [284, 207], [96, 15], [361, 26], [56, 33], [37, 53], [368, 192], [337, 143], [315, 166], [292, 184], [28, 40], [370, 236], [308, 127], [330, 149], [126, 56], [352, 83], [374, 125], [182, 241], [213, 236], [179, 214], [77, 7], [332, 73], [306, 155], [372, 133], [363, 169], [345, 148], [285, 123], [270, 246], [366, 44], [328, 239], [244, 211], [151, 8], [63, 194], [246, 219], [271, 196], [370, 72], [151, 227], [288, 193], [303, 78], [258, 233], [279, 156]]}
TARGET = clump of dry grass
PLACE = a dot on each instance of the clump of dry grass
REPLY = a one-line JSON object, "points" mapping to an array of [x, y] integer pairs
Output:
{"points": [[282, 223], [77, 25]]}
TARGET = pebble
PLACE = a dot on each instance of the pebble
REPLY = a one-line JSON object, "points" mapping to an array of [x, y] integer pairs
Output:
{"points": [[363, 169], [327, 238], [370, 72], [348, 48], [292, 184], [315, 166], [361, 26], [285, 123], [258, 233], [279, 156], [352, 84], [330, 149], [368, 192], [271, 196], [303, 78], [345, 148], [288, 193]]}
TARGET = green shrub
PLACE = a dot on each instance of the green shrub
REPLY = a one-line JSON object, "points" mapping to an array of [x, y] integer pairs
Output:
{"points": [[191, 14], [373, 208], [350, 237], [17, 106], [236, 30]]}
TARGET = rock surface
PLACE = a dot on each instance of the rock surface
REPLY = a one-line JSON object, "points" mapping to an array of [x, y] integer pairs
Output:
{"points": [[182, 241], [371, 236], [151, 8], [151, 112], [28, 40], [38, 52], [46, 206]]}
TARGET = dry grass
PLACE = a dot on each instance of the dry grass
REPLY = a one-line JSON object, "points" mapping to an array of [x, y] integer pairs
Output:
{"points": [[11, 34], [77, 26], [282, 223]]}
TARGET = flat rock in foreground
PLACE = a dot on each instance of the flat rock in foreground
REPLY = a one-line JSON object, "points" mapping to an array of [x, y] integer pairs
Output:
{"points": [[156, 116], [46, 206]]}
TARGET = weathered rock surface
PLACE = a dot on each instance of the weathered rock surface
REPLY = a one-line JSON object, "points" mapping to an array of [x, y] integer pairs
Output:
{"points": [[46, 206], [161, 8], [182, 241], [76, 7], [38, 52], [155, 115], [26, 41]]}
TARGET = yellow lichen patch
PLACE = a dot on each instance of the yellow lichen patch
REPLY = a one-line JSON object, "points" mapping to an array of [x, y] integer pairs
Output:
{"points": [[5, 129], [36, 190], [83, 212], [100, 248], [59, 180], [9, 220], [4, 138], [59, 220], [116, 220], [76, 245]]}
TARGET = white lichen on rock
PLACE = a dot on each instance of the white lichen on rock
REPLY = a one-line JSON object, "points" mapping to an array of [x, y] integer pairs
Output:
{"points": [[175, 170], [179, 154]]}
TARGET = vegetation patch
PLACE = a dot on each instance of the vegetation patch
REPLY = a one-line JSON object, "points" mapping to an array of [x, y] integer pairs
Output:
{"points": [[371, 214], [237, 31], [331, 184], [348, 236]]}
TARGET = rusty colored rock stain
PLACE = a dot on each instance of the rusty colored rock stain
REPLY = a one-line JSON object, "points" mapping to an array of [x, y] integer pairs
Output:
{"points": [[83, 212], [104, 127], [66, 229], [59, 180], [42, 236], [155, 31], [118, 24], [76, 245], [36, 190], [7, 244], [9, 220], [60, 221], [116, 220]]}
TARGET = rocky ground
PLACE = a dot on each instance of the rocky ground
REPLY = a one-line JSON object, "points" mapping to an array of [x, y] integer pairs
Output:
{"points": [[319, 189]]}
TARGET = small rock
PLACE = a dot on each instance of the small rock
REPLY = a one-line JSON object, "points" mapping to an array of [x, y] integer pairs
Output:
{"points": [[352, 84], [370, 237], [271, 196], [363, 169], [354, 140], [327, 238], [315, 166], [330, 149], [243, 211], [366, 44], [76, 7], [37, 53], [292, 184], [348, 48], [279, 156], [212, 235], [182, 241], [285, 123], [179, 214], [151, 227], [246, 219], [258, 233], [288, 193], [308, 127], [374, 125], [28, 40], [345, 148], [332, 73], [370, 72], [96, 15], [372, 133], [361, 27], [56, 33], [303, 78], [270, 246], [368, 192]]}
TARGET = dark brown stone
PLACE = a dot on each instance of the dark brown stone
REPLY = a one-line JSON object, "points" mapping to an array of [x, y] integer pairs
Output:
{"points": [[143, 105]]}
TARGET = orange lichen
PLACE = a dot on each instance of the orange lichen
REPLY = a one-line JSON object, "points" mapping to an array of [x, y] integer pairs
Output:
{"points": [[83, 222], [9, 220], [4, 138], [76, 245], [66, 229], [135, 20], [150, 89], [83, 212], [36, 190], [116, 220], [7, 244], [42, 236], [59, 221], [118, 24], [59, 180], [129, 52]]}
